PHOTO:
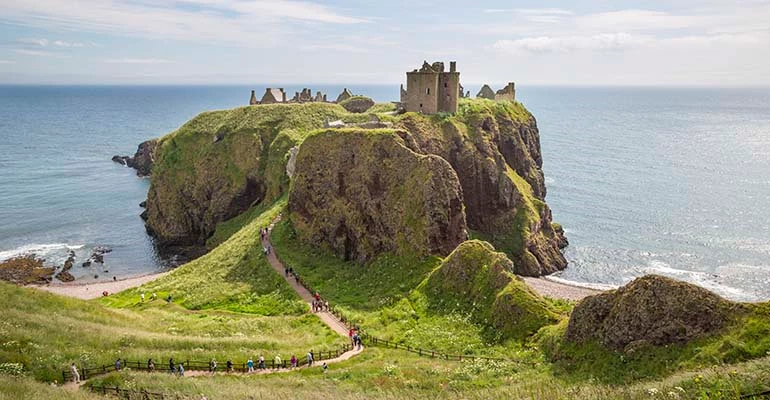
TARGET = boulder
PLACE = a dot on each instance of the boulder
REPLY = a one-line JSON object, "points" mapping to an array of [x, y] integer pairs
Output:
{"points": [[142, 160], [652, 310], [363, 193]]}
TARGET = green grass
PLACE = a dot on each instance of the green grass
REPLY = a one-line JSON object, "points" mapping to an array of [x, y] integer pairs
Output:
{"points": [[46, 332], [235, 276]]}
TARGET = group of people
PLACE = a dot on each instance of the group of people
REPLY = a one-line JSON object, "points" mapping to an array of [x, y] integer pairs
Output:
{"points": [[355, 339], [153, 297]]}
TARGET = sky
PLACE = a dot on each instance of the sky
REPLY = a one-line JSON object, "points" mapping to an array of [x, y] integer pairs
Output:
{"points": [[576, 43]]}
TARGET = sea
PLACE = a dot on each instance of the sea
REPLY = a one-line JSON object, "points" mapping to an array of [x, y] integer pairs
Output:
{"points": [[669, 181]]}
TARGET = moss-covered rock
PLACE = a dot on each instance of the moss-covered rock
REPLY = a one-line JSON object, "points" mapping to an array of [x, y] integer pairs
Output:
{"points": [[357, 104], [220, 163], [362, 193], [495, 149], [478, 281], [652, 310], [25, 270]]}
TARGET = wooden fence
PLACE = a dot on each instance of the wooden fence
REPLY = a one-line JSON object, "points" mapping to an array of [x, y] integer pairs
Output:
{"points": [[196, 365]]}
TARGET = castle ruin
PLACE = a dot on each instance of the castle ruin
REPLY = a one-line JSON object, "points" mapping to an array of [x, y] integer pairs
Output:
{"points": [[431, 90]]}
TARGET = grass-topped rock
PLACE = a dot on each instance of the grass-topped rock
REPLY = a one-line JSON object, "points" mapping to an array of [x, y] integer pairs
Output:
{"points": [[362, 193], [652, 310], [357, 104], [478, 281]]}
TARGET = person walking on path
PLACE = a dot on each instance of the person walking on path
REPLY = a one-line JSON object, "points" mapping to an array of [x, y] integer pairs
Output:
{"points": [[168, 299], [293, 361], [154, 296], [261, 361], [250, 365], [278, 361], [310, 358], [75, 374], [117, 365], [213, 366], [142, 297], [150, 365], [181, 370], [171, 366], [229, 365]]}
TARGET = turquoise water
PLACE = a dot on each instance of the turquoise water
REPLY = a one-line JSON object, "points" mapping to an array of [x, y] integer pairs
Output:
{"points": [[668, 181]]}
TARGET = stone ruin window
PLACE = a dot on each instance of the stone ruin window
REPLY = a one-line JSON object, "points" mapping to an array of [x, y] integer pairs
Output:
{"points": [[445, 84], [427, 90]]}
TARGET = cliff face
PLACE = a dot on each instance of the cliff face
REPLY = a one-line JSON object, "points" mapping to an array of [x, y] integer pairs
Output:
{"points": [[478, 281], [363, 193], [219, 164], [495, 150], [142, 160]]}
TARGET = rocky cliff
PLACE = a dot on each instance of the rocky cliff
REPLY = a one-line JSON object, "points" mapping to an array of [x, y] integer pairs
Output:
{"points": [[476, 280], [221, 163], [652, 310], [363, 193], [495, 149], [142, 160]]}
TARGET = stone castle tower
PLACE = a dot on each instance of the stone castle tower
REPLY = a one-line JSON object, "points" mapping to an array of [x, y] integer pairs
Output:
{"points": [[430, 89]]}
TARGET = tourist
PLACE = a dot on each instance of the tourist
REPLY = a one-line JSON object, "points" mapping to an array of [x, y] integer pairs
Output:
{"points": [[229, 365], [154, 296], [325, 367], [326, 305], [285, 272], [278, 361], [250, 365], [293, 361], [75, 374], [150, 365], [181, 370], [312, 305], [168, 299], [213, 366], [310, 358], [115, 278], [142, 296], [117, 365], [171, 366], [352, 332], [261, 361]]}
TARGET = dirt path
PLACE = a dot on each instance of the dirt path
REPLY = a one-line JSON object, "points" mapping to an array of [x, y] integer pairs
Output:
{"points": [[87, 291]]}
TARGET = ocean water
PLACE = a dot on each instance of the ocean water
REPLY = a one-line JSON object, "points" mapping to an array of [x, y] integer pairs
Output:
{"points": [[666, 181]]}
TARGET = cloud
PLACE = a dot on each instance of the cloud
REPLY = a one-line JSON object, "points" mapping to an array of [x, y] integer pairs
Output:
{"points": [[39, 53], [546, 44], [62, 43], [256, 23], [5, 62], [137, 61], [34, 42]]}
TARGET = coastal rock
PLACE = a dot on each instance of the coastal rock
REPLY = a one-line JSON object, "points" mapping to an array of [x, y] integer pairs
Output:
{"points": [[197, 184], [142, 160], [143, 204], [65, 276], [357, 104], [652, 310], [25, 270], [476, 280], [362, 194], [495, 150]]}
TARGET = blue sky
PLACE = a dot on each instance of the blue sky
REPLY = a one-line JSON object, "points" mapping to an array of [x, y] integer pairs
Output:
{"points": [[601, 42]]}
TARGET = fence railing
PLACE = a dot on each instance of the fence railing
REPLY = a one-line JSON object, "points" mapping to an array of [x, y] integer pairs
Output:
{"points": [[371, 340], [197, 365]]}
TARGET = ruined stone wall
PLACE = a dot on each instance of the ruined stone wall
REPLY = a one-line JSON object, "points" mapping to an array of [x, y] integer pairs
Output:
{"points": [[449, 86], [422, 91]]}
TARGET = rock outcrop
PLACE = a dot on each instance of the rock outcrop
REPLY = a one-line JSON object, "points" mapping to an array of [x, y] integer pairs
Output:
{"points": [[197, 183], [363, 193], [495, 149], [476, 280], [25, 270], [357, 104], [652, 310], [142, 160]]}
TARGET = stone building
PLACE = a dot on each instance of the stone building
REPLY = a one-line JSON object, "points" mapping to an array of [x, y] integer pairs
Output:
{"points": [[273, 96], [253, 99], [344, 95], [430, 89], [486, 92], [507, 93]]}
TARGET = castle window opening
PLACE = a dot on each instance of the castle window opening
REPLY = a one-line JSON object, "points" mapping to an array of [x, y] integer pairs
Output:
{"points": [[445, 84], [427, 90]]}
